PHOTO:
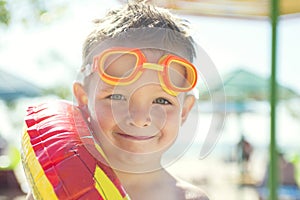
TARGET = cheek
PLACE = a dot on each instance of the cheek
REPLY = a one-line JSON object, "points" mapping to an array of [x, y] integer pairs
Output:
{"points": [[172, 124], [102, 118], [174, 115], [107, 116]]}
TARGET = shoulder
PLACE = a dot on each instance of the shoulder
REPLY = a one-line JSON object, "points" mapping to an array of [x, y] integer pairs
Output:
{"points": [[191, 192]]}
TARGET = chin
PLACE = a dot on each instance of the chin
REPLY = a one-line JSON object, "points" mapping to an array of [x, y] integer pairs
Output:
{"points": [[135, 161]]}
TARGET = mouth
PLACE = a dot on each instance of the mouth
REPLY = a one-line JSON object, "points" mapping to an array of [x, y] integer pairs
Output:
{"points": [[131, 137]]}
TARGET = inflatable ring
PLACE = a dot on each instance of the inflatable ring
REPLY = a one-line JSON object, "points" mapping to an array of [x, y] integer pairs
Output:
{"points": [[61, 159]]}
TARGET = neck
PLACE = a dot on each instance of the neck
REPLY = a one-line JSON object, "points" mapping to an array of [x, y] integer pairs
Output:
{"points": [[135, 164], [131, 180]]}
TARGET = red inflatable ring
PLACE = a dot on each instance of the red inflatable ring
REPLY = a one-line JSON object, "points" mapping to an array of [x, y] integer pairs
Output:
{"points": [[61, 159]]}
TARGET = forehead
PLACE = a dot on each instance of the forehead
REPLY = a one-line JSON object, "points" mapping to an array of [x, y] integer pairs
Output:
{"points": [[153, 55], [147, 52]]}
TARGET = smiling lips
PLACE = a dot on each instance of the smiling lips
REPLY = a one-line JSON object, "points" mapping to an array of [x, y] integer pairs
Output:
{"points": [[135, 137]]}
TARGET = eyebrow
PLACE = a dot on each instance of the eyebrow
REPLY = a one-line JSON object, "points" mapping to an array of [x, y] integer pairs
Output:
{"points": [[105, 90], [109, 89]]}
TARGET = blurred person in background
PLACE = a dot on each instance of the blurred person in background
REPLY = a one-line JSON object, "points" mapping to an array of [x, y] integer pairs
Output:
{"points": [[244, 151]]}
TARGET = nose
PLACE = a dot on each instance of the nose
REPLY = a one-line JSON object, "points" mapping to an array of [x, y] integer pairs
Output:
{"points": [[139, 109], [139, 116], [140, 101]]}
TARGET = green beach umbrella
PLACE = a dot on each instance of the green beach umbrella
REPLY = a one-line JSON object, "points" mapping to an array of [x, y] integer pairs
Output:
{"points": [[241, 85], [13, 87]]}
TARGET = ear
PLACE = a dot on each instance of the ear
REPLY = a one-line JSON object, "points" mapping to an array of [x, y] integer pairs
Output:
{"points": [[188, 104], [80, 94]]}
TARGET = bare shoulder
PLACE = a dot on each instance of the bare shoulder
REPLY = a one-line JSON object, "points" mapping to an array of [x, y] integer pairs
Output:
{"points": [[191, 192]]}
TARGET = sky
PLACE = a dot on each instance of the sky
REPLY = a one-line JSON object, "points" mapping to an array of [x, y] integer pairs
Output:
{"points": [[51, 54]]}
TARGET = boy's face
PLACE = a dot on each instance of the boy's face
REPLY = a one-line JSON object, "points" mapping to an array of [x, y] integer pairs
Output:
{"points": [[139, 118]]}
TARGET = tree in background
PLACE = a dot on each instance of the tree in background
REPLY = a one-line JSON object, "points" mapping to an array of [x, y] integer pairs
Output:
{"points": [[30, 11]]}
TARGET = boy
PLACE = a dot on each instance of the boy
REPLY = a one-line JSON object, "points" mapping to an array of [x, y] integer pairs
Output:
{"points": [[136, 74]]}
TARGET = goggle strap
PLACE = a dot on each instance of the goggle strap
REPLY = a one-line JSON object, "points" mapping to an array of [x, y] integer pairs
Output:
{"points": [[87, 70], [153, 66]]}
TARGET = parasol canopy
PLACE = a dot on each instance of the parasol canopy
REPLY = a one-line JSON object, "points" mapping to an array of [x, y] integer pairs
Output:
{"points": [[251, 9], [13, 87], [242, 85]]}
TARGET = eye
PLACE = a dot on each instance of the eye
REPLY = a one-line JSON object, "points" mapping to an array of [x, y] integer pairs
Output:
{"points": [[162, 101], [118, 97]]}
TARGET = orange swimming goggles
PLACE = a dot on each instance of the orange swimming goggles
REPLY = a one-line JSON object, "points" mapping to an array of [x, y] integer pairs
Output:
{"points": [[123, 66]]}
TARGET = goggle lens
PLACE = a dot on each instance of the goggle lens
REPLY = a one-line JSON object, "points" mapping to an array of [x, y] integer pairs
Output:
{"points": [[117, 65], [180, 74]]}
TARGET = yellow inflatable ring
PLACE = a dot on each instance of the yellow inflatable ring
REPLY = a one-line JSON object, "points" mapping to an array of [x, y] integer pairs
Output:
{"points": [[61, 159]]}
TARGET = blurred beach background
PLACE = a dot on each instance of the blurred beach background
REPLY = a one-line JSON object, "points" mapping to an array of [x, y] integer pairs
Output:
{"points": [[40, 55]]}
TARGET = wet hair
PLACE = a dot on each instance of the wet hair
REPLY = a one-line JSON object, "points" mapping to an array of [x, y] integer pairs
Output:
{"points": [[136, 15]]}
